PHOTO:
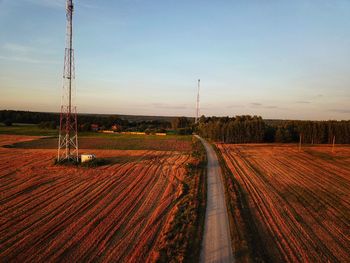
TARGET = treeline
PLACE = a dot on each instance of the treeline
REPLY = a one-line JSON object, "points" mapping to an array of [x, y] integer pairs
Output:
{"points": [[253, 129], [11, 116], [92, 122], [239, 129], [313, 132]]}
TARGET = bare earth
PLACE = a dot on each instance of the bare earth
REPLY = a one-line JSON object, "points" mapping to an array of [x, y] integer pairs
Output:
{"points": [[299, 199], [114, 212], [216, 246]]}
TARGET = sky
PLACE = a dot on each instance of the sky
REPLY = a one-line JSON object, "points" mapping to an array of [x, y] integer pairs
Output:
{"points": [[279, 59]]}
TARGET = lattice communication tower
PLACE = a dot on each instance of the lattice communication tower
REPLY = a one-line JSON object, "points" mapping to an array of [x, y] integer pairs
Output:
{"points": [[68, 133]]}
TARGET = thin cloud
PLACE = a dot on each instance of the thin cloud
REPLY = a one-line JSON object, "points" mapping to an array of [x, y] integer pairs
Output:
{"points": [[260, 105], [343, 111], [23, 53], [166, 106], [27, 60], [13, 47], [60, 3], [256, 104], [270, 107], [303, 102], [235, 106], [48, 3]]}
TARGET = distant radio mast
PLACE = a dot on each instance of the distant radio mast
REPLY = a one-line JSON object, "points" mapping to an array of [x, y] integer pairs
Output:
{"points": [[68, 133], [197, 103]]}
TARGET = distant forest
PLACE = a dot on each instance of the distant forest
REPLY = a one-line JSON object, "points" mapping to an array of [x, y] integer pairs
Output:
{"points": [[248, 129], [148, 124], [239, 129]]}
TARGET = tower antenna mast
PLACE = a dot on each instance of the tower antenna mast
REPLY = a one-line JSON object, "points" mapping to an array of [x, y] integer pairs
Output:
{"points": [[68, 133], [197, 103]]}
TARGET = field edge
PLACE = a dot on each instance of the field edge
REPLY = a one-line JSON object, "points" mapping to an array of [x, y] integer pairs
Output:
{"points": [[182, 239], [247, 245]]}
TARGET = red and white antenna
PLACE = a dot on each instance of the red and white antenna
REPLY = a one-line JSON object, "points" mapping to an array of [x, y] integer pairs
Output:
{"points": [[197, 103], [68, 133]]}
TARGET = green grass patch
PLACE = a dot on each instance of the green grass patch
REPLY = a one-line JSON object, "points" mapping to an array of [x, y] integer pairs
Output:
{"points": [[27, 129], [116, 142]]}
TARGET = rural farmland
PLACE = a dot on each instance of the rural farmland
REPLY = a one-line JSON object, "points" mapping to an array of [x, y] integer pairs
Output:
{"points": [[113, 212], [299, 200]]}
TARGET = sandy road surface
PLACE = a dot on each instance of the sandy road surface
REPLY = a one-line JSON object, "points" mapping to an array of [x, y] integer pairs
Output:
{"points": [[216, 246]]}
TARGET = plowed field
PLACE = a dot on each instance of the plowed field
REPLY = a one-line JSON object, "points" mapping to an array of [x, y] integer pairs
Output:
{"points": [[109, 213], [300, 200]]}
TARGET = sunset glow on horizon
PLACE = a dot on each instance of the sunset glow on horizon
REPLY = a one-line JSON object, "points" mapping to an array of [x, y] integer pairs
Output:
{"points": [[277, 59]]}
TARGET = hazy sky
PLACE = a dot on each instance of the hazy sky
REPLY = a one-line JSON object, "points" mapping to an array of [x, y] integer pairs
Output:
{"points": [[274, 58]]}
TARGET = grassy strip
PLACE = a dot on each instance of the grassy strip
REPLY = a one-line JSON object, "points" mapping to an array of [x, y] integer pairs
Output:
{"points": [[117, 142], [34, 130], [30, 129], [184, 236], [246, 241]]}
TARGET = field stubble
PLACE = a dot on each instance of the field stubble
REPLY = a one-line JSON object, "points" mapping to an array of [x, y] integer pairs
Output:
{"points": [[113, 212], [299, 200]]}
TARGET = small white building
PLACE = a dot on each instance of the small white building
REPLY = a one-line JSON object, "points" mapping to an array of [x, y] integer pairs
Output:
{"points": [[87, 158]]}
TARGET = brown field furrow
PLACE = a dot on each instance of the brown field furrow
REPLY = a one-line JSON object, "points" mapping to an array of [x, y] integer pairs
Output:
{"points": [[336, 172], [36, 198], [327, 234], [52, 215], [301, 179], [10, 139], [85, 214], [150, 233], [113, 222], [78, 228], [266, 188], [300, 172], [267, 211], [301, 233], [300, 199], [128, 234], [238, 169], [322, 196], [22, 180]]}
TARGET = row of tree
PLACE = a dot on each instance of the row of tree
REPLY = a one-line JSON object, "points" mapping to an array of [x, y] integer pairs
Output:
{"points": [[253, 129], [239, 129], [86, 122], [313, 132]]}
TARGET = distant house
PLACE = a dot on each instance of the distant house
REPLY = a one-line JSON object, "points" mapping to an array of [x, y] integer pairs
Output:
{"points": [[116, 127], [95, 127]]}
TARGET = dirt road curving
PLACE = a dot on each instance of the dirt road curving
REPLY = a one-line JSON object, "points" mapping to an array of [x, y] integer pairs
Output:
{"points": [[216, 246]]}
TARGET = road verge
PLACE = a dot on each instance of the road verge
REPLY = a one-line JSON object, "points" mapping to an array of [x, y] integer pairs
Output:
{"points": [[182, 238]]}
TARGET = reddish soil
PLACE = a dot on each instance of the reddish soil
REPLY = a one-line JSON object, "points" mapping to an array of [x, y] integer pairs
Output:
{"points": [[109, 213], [11, 139], [166, 143], [300, 200]]}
